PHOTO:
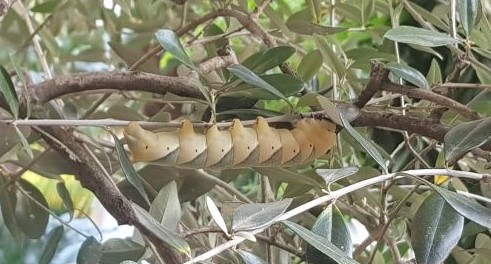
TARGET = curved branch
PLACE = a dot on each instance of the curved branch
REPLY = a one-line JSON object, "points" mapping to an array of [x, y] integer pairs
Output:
{"points": [[122, 81]]}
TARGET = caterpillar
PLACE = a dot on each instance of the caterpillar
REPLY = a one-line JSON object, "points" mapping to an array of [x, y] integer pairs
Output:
{"points": [[239, 146]]}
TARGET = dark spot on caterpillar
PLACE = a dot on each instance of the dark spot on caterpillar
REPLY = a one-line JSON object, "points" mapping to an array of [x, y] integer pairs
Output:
{"points": [[196, 150], [168, 148], [248, 147], [272, 147], [294, 151], [146, 147], [311, 145], [223, 150]]}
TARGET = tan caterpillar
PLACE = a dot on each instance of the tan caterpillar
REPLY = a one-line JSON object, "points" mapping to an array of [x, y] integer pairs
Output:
{"points": [[239, 146]]}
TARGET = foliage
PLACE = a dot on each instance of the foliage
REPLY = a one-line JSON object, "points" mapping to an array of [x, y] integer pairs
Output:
{"points": [[406, 82]]}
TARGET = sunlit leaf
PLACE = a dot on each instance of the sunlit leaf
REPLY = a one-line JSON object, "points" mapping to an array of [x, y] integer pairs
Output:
{"points": [[465, 137], [65, 197], [320, 243], [24, 142], [419, 36], [46, 7], [409, 74], [435, 230], [253, 216], [310, 65], [217, 216]]}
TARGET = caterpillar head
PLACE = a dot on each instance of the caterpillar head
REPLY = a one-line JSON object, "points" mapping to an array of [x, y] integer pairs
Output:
{"points": [[143, 144]]}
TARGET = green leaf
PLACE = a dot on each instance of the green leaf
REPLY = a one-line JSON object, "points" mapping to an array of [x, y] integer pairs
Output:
{"points": [[329, 108], [310, 65], [333, 175], [128, 170], [330, 225], [65, 197], [166, 208], [409, 74], [216, 215], [45, 7], [270, 59], [251, 78], [285, 175], [116, 250], [434, 75], [301, 23], [320, 243], [249, 217], [166, 235], [8, 90], [8, 199], [329, 55], [465, 206], [419, 36], [52, 240], [90, 252], [287, 85], [31, 217], [371, 150], [250, 258], [169, 40], [435, 230], [465, 137], [24, 142], [468, 13]]}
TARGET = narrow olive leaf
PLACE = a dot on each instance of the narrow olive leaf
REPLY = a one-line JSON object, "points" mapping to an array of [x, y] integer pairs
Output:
{"points": [[301, 24], [329, 56], [250, 77], [465, 206], [65, 197], [45, 7], [409, 74], [435, 230], [330, 224], [8, 90], [127, 168], [287, 85], [52, 240], [90, 252], [372, 151], [247, 235], [272, 58], [166, 235], [217, 216], [419, 36], [434, 75], [166, 208], [249, 217], [250, 258], [320, 243], [24, 142], [8, 199], [310, 65], [116, 250], [329, 108], [468, 13], [285, 175], [333, 175], [465, 137], [169, 40], [32, 217]]}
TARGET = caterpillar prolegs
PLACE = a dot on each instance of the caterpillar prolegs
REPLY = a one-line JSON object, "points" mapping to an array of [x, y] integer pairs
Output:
{"points": [[239, 146]]}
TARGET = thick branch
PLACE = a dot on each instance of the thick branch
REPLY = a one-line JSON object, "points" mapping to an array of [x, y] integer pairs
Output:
{"points": [[122, 81], [378, 76]]}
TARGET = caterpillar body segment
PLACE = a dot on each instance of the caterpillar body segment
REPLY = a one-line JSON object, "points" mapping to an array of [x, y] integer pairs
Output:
{"points": [[239, 146]]}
